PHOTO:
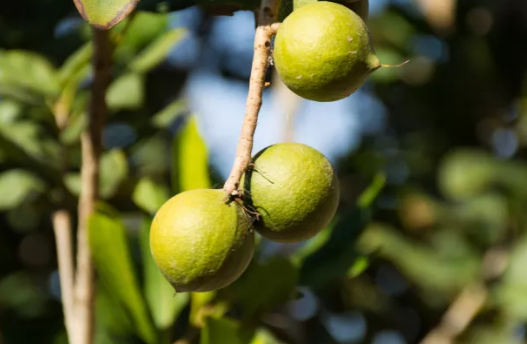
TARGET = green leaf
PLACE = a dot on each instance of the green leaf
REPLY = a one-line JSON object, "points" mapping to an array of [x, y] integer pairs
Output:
{"points": [[126, 92], [157, 51], [337, 255], [104, 14], [29, 136], [169, 114], [114, 170], [111, 256], [263, 336], [164, 304], [24, 71], [278, 275], [15, 186], [77, 61], [190, 168], [223, 331], [141, 30], [149, 195]]}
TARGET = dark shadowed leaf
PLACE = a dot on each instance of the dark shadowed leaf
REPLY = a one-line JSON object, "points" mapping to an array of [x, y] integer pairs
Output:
{"points": [[224, 331], [278, 275], [337, 255]]}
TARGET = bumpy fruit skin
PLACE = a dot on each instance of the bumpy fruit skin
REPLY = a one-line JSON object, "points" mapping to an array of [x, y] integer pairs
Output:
{"points": [[199, 243], [294, 189], [323, 52]]}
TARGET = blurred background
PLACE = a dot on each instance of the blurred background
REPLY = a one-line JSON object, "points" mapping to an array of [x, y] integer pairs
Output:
{"points": [[429, 244]]}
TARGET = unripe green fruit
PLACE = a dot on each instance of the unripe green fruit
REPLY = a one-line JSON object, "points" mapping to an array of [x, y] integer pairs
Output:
{"points": [[199, 243], [323, 52], [294, 189]]}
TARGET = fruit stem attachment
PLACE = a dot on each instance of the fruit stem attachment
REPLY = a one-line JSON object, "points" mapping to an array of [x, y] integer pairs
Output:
{"points": [[395, 66], [267, 26]]}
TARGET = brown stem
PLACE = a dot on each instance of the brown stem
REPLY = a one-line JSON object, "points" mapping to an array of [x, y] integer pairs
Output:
{"points": [[91, 151], [62, 228], [267, 25]]}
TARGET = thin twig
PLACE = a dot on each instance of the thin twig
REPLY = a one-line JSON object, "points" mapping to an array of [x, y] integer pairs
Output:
{"points": [[62, 229], [91, 151], [469, 302], [267, 25]]}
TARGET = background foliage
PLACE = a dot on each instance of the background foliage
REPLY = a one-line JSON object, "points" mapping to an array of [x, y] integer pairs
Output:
{"points": [[431, 159]]}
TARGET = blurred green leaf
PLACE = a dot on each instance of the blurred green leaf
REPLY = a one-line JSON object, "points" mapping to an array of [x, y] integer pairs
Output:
{"points": [[112, 317], [277, 274], [104, 14], [263, 336], [149, 195], [165, 305], [126, 92], [190, 168], [169, 114], [27, 71], [445, 271], [19, 293], [71, 134], [15, 186], [466, 173], [76, 62], [334, 259], [223, 331], [359, 266], [29, 136], [157, 51], [143, 29], [111, 255], [10, 110], [113, 171]]}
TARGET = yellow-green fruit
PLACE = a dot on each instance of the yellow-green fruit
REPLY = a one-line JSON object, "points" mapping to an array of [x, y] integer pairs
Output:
{"points": [[199, 243], [323, 51], [294, 189]]}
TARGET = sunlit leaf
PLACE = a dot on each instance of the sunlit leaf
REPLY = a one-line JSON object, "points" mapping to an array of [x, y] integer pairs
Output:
{"points": [[165, 305], [157, 51], [112, 258], [149, 195], [190, 168], [15, 186], [104, 14]]}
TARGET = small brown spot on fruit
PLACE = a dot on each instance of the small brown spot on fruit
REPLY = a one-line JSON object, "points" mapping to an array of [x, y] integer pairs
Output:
{"points": [[352, 52], [299, 77], [350, 39]]}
